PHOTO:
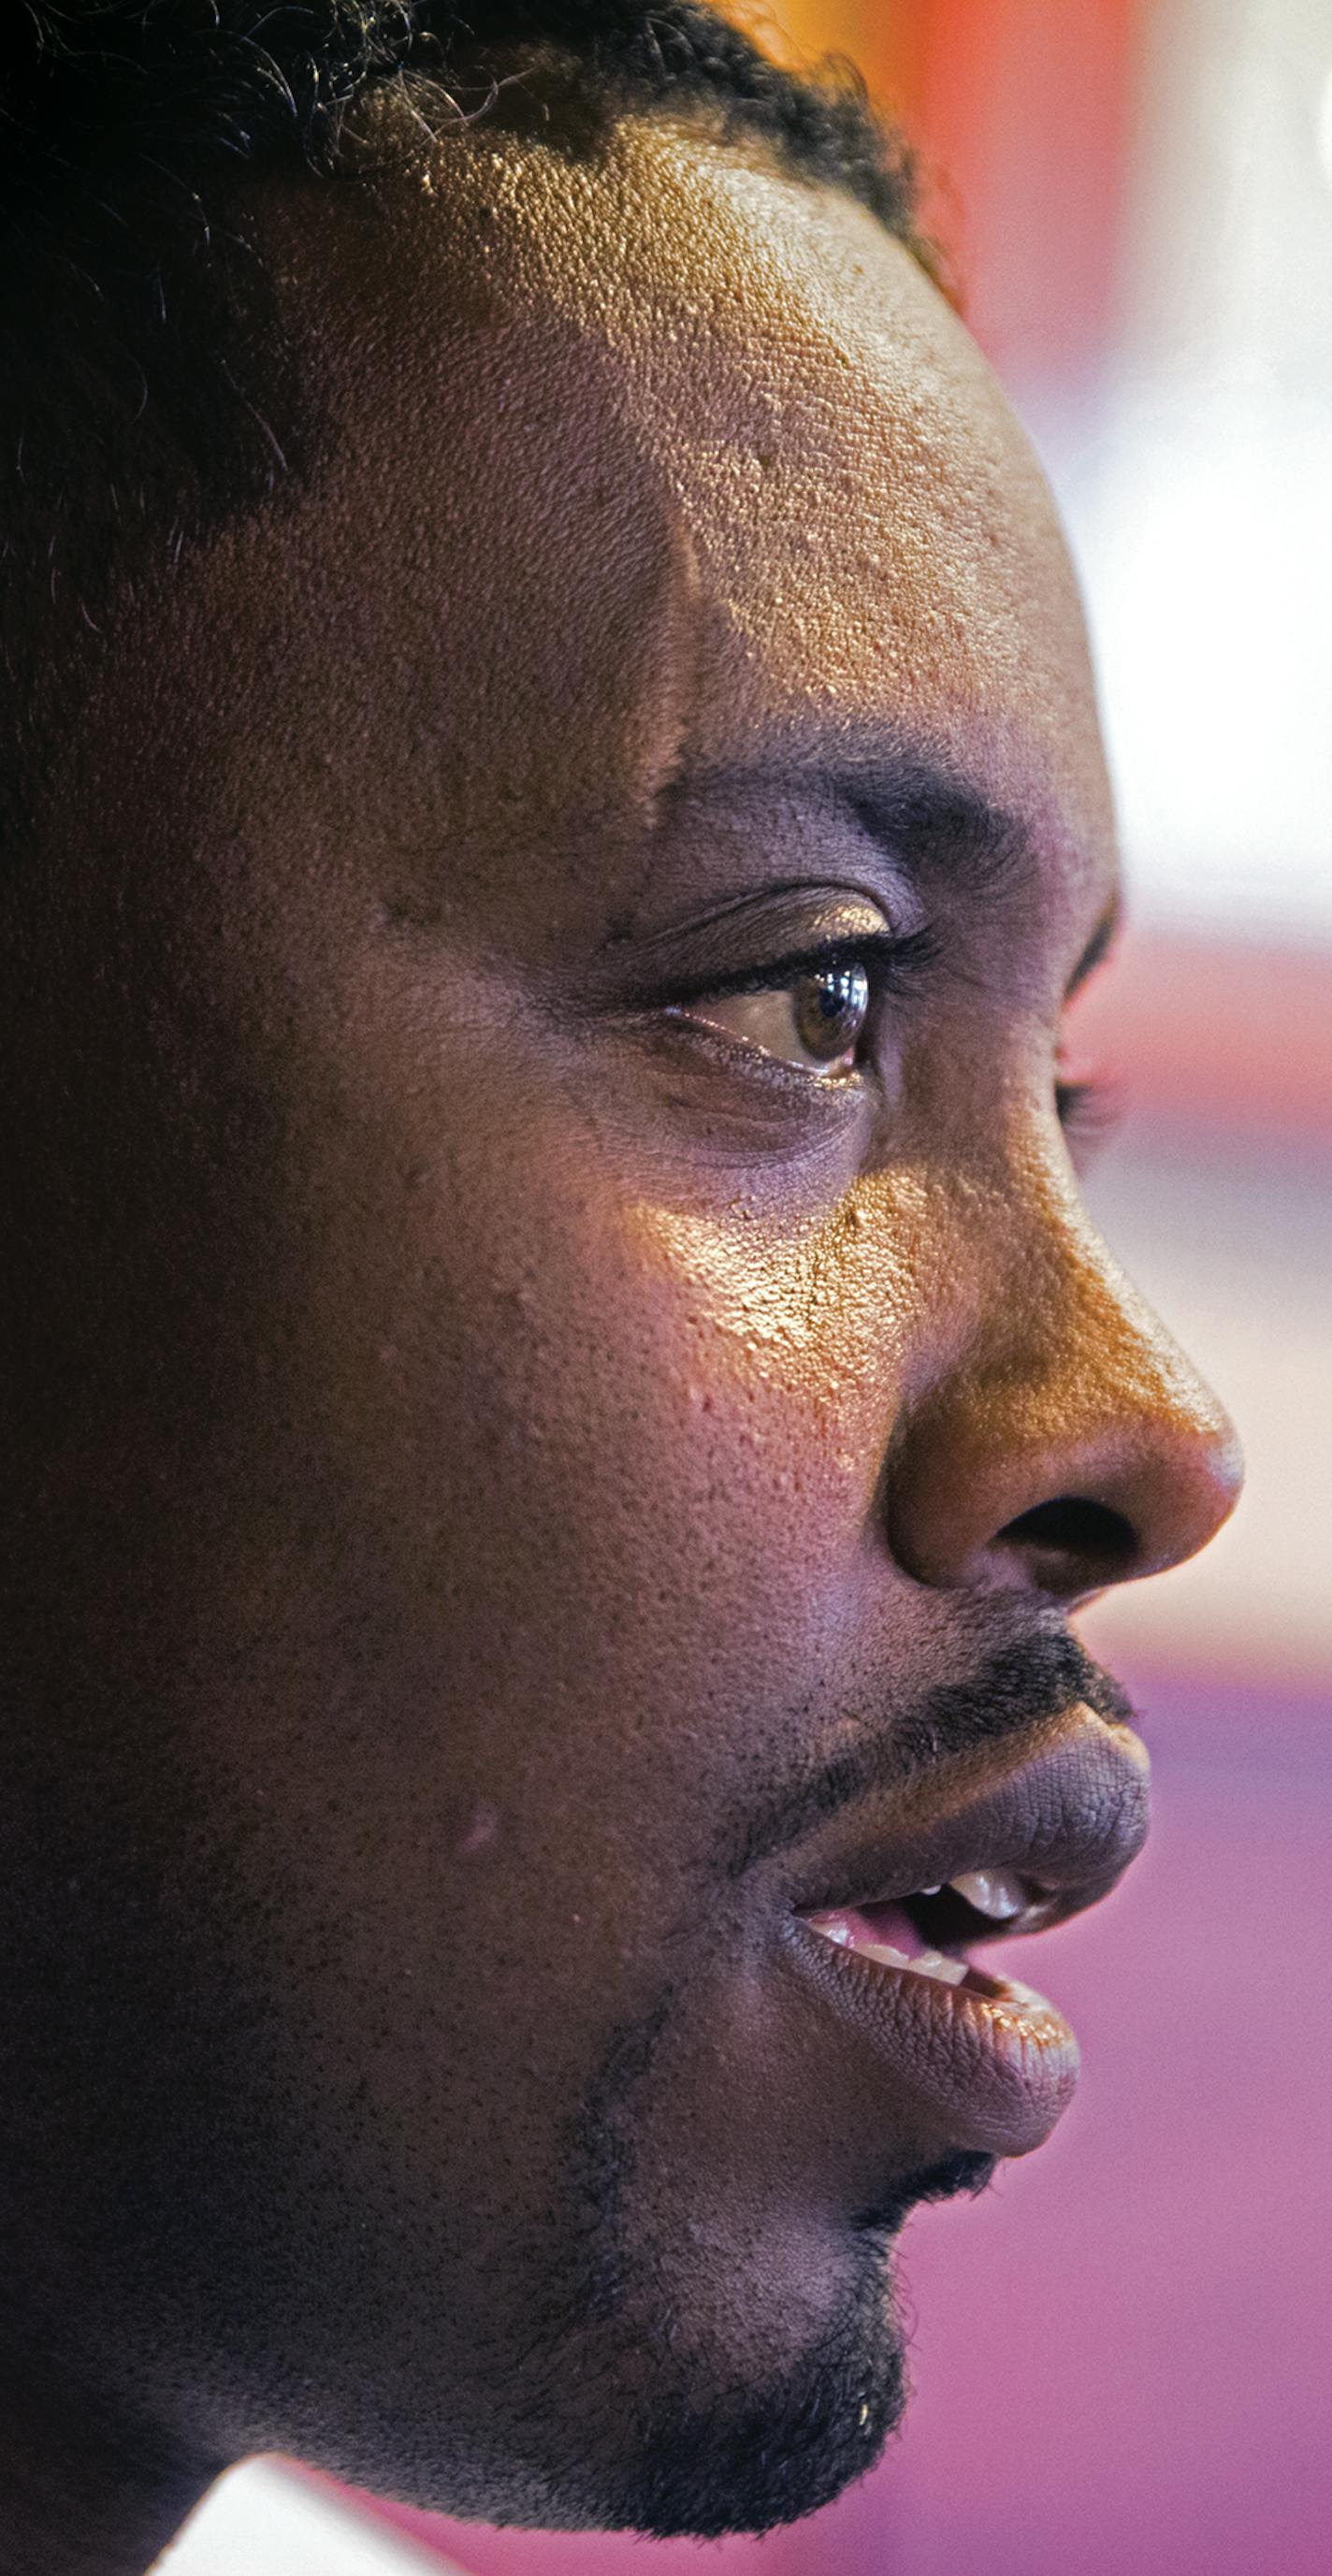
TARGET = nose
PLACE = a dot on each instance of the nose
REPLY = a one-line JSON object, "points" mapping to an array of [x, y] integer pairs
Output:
{"points": [[1064, 1442]]}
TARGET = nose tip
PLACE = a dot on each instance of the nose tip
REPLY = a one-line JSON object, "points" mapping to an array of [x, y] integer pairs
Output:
{"points": [[1138, 1503], [1070, 1447], [1201, 1477]]}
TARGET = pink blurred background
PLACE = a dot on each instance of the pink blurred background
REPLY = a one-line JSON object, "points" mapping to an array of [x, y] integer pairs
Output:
{"points": [[1122, 2355]]}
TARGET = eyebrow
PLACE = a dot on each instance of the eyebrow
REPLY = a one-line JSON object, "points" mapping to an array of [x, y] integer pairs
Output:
{"points": [[922, 815]]}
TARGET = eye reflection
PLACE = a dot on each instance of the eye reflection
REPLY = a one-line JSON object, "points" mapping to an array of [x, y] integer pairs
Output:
{"points": [[815, 1020]]}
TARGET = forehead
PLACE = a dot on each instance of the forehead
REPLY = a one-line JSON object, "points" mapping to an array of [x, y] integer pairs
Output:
{"points": [[680, 458]]}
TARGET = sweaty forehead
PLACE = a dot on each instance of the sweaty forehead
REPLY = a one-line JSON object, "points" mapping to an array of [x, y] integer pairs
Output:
{"points": [[666, 457]]}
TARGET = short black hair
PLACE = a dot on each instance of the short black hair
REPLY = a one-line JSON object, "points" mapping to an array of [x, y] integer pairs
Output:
{"points": [[147, 395]]}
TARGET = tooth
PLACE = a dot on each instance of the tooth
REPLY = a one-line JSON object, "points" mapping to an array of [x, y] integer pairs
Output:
{"points": [[926, 1963], [930, 1963], [834, 1926], [999, 1893]]}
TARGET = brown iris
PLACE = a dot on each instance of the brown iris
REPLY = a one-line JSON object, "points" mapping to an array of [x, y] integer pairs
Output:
{"points": [[831, 1003]]}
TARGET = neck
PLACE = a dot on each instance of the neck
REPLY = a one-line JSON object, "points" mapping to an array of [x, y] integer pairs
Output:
{"points": [[79, 2499]]}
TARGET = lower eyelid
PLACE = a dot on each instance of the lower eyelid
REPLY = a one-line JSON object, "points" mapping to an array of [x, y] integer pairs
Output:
{"points": [[758, 1063], [780, 1045]]}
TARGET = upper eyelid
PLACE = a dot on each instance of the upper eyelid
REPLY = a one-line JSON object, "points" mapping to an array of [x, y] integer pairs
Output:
{"points": [[772, 923]]}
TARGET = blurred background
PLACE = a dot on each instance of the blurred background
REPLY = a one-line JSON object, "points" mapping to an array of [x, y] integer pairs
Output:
{"points": [[1122, 2354]]}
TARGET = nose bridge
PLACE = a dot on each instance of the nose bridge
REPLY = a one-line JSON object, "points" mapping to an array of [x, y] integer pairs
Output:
{"points": [[1055, 1388], [1073, 1337]]}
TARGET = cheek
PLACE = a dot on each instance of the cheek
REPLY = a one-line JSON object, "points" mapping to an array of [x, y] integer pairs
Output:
{"points": [[657, 1439], [580, 1488]]}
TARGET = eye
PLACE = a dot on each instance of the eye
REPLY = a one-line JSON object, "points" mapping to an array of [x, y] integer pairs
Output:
{"points": [[816, 1020], [815, 1011]]}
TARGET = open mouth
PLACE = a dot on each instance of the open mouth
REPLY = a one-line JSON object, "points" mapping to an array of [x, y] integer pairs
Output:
{"points": [[931, 1932], [991, 2061]]}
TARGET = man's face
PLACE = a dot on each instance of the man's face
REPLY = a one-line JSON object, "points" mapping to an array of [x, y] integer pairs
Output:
{"points": [[572, 1385]]}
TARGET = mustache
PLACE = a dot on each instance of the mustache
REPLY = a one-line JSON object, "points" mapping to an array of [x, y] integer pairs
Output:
{"points": [[1022, 1683]]}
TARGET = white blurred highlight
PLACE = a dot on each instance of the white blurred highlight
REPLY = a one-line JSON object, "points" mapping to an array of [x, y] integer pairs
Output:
{"points": [[1198, 479]]}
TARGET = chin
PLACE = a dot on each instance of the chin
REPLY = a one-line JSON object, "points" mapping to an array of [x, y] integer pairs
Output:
{"points": [[698, 2443], [720, 2454], [773, 2454]]}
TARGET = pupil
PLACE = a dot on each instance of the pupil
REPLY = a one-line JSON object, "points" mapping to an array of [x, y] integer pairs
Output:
{"points": [[831, 1009]]}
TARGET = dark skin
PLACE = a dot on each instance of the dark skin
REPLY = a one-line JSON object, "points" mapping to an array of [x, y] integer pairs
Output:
{"points": [[496, 1402]]}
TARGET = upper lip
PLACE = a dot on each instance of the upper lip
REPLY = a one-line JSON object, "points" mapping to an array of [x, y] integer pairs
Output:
{"points": [[1065, 1807]]}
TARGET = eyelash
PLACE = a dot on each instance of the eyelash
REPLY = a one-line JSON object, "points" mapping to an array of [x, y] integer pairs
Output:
{"points": [[1088, 1108]]}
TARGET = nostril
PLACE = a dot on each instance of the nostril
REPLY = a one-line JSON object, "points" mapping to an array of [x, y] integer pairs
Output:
{"points": [[1090, 1536]]}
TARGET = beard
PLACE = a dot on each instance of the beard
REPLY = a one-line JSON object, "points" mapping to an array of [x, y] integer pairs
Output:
{"points": [[677, 2444], [682, 2439]]}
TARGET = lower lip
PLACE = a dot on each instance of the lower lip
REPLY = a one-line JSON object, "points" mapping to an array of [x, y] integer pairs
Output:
{"points": [[991, 2062]]}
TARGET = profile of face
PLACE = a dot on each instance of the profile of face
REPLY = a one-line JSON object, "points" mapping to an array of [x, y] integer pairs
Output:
{"points": [[564, 1389]]}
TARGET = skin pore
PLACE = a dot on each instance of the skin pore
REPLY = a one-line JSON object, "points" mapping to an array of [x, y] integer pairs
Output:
{"points": [[500, 1405]]}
